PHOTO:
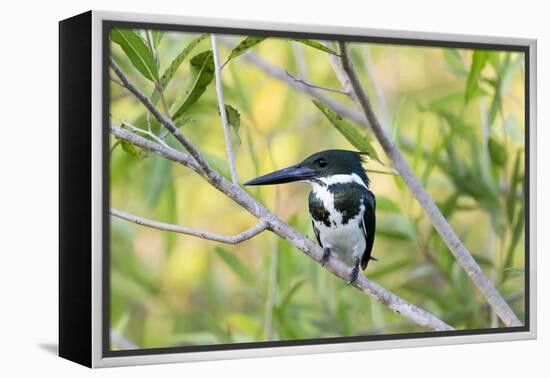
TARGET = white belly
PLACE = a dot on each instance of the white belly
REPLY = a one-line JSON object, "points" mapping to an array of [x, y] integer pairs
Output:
{"points": [[347, 241]]}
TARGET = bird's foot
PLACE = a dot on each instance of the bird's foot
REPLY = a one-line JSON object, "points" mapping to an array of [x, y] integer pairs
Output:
{"points": [[326, 256], [354, 272]]}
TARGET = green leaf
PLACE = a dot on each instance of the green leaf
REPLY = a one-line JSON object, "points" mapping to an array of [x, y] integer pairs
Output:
{"points": [[240, 92], [443, 301], [520, 221], [133, 149], [479, 60], [156, 36], [243, 46], [395, 226], [234, 120], [137, 51], [174, 65], [361, 142], [202, 73], [392, 267], [450, 204], [512, 129], [515, 270], [235, 265], [483, 260], [511, 201], [497, 152], [387, 205], [442, 104], [283, 307], [454, 62], [496, 106], [157, 176], [218, 163], [315, 45]]}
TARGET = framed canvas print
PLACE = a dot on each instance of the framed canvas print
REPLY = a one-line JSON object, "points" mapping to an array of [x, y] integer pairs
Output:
{"points": [[234, 189]]}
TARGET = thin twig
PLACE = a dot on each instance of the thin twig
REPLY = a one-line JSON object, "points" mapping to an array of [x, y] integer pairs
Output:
{"points": [[316, 86], [136, 129], [158, 84], [223, 114], [434, 214], [283, 230], [234, 239], [116, 81]]}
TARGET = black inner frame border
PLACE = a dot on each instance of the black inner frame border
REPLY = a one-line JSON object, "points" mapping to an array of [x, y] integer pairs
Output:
{"points": [[107, 25]]}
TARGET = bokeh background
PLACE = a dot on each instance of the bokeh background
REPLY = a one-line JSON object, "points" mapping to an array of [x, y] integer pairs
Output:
{"points": [[458, 116]]}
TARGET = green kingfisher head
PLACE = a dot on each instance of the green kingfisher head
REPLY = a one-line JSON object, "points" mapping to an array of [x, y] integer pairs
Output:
{"points": [[319, 167]]}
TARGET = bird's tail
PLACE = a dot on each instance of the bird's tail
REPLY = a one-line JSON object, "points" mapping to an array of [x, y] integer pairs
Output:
{"points": [[373, 258]]}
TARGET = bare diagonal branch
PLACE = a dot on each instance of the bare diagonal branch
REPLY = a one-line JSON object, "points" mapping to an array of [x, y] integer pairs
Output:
{"points": [[437, 219], [234, 239], [223, 114]]}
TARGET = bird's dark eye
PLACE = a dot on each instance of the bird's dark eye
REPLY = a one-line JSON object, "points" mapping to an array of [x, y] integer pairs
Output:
{"points": [[322, 162]]}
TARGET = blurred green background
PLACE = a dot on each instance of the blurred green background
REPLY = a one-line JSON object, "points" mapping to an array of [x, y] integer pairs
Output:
{"points": [[458, 116]]}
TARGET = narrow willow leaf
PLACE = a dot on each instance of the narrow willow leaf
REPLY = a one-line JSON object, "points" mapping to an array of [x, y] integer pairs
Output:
{"points": [[283, 307], [137, 51], [496, 106], [243, 46], [479, 60], [392, 267], [497, 152], [442, 104], [395, 226], [315, 45], [241, 94], [454, 62], [202, 73], [132, 149], [156, 36], [174, 65], [512, 129], [508, 73], [511, 201], [235, 265], [157, 175], [359, 141], [434, 294], [219, 164], [515, 270], [518, 228], [483, 260], [234, 120], [493, 59], [387, 205], [450, 205]]}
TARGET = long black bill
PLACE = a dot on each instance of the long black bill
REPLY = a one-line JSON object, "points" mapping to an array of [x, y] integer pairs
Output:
{"points": [[282, 176]]}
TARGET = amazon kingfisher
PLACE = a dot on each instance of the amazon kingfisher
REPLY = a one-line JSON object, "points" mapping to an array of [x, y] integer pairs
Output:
{"points": [[341, 205]]}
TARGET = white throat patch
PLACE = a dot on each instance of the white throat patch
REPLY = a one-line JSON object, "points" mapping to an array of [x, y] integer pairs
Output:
{"points": [[341, 179]]}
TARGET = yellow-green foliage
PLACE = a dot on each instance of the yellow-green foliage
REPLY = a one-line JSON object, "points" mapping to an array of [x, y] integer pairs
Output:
{"points": [[458, 115]]}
